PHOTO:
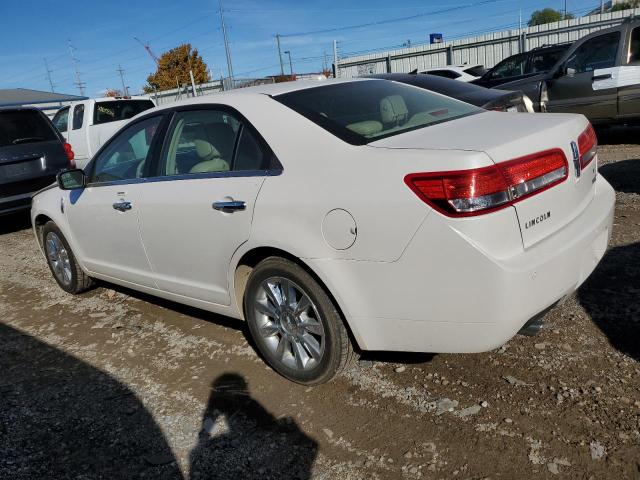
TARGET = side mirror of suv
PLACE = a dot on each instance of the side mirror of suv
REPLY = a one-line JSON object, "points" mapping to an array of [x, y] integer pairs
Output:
{"points": [[71, 179]]}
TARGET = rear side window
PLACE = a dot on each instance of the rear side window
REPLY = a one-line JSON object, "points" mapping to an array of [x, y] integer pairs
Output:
{"points": [[596, 53], [61, 119], [78, 116], [634, 47], [115, 110], [365, 111], [510, 67], [24, 126]]}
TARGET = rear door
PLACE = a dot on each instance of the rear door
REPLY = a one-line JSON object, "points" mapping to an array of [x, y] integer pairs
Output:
{"points": [[587, 86], [104, 216], [199, 209]]}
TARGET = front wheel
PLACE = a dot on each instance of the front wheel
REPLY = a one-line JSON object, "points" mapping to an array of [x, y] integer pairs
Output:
{"points": [[294, 323], [62, 262]]}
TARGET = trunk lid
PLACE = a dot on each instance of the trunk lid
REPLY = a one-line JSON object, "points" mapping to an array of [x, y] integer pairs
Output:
{"points": [[508, 136]]}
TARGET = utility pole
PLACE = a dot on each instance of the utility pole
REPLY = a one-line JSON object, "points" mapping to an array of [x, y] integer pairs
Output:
{"points": [[324, 62], [78, 83], [125, 91], [336, 71], [565, 10], [226, 44], [46, 66], [280, 55], [601, 7], [288, 52]]}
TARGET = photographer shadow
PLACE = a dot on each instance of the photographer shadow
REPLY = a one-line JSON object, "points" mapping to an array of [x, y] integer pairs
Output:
{"points": [[241, 439], [611, 296]]}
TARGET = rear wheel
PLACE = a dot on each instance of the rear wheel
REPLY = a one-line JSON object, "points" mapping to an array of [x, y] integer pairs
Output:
{"points": [[62, 262], [294, 323]]}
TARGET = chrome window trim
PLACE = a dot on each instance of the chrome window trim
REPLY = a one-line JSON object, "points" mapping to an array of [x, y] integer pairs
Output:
{"points": [[190, 176]]}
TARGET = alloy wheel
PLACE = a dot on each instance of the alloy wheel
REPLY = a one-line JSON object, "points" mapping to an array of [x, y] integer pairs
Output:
{"points": [[289, 324], [58, 258]]}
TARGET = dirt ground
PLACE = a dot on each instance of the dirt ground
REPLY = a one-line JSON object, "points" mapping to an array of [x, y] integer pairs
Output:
{"points": [[115, 384]]}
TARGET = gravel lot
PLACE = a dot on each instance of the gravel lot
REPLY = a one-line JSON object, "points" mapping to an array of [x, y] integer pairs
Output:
{"points": [[115, 384]]}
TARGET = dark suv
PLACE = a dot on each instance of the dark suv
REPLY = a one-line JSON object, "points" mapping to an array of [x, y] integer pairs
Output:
{"points": [[32, 151], [523, 65]]}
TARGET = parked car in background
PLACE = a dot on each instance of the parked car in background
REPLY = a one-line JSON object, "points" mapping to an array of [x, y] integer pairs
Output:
{"points": [[363, 211], [522, 66], [598, 76], [87, 124], [490, 99], [32, 152], [462, 73]]}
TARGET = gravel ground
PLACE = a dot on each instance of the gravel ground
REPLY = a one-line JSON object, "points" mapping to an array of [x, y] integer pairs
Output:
{"points": [[115, 384]]}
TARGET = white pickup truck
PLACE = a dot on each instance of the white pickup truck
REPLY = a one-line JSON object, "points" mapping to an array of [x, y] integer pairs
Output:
{"points": [[87, 124]]}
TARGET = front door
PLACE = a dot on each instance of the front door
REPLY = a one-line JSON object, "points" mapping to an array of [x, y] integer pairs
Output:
{"points": [[105, 215], [198, 211], [587, 86]]}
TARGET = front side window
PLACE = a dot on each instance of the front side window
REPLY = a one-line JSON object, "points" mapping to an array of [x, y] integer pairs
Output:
{"points": [[596, 53], [126, 155], [543, 62], [510, 67], [114, 110], [634, 47], [365, 111], [78, 116], [61, 119]]}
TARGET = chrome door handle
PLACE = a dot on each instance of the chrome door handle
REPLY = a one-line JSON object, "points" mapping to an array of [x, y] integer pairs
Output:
{"points": [[604, 76], [230, 206], [122, 206]]}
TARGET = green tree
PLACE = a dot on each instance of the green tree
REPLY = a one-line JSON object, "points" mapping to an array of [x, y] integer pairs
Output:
{"points": [[547, 15], [173, 69], [625, 5]]}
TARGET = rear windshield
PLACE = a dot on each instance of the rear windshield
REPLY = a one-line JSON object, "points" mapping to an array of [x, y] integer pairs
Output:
{"points": [[24, 126], [115, 110], [366, 111]]}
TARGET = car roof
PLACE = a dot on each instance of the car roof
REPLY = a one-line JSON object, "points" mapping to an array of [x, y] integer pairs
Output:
{"points": [[19, 108], [271, 89]]}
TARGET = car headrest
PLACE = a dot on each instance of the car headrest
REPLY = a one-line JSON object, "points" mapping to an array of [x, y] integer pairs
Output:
{"points": [[366, 128], [393, 109], [205, 150]]}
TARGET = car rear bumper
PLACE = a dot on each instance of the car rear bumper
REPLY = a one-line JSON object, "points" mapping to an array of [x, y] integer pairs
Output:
{"points": [[466, 300], [16, 196]]}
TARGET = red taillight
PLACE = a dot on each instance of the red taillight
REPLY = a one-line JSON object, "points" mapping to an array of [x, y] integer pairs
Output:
{"points": [[70, 155], [588, 146], [482, 190]]}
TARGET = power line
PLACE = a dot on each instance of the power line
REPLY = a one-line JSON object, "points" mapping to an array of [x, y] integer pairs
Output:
{"points": [[226, 43], [125, 90], [393, 20]]}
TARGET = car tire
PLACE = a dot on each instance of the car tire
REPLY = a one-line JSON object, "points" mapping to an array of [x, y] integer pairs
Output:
{"points": [[62, 262], [295, 324]]}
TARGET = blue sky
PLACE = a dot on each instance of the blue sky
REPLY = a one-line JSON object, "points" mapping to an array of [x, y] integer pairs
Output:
{"points": [[102, 33]]}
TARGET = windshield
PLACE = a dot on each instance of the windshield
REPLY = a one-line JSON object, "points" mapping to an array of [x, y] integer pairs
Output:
{"points": [[115, 110], [364, 111], [24, 126]]}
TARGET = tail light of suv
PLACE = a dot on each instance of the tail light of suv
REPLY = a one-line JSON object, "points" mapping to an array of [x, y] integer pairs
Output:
{"points": [[70, 155], [482, 190], [588, 146]]}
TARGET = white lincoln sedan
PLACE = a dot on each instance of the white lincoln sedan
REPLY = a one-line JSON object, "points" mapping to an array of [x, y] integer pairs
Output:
{"points": [[361, 214]]}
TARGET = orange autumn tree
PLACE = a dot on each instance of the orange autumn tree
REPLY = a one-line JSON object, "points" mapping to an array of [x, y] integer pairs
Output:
{"points": [[173, 69]]}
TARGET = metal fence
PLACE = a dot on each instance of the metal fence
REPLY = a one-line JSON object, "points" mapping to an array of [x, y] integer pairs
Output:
{"points": [[186, 91], [485, 50]]}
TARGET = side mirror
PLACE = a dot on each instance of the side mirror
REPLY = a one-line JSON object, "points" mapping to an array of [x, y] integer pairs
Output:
{"points": [[71, 179], [571, 72]]}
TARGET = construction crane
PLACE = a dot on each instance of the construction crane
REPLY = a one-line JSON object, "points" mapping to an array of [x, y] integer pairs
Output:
{"points": [[148, 49]]}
